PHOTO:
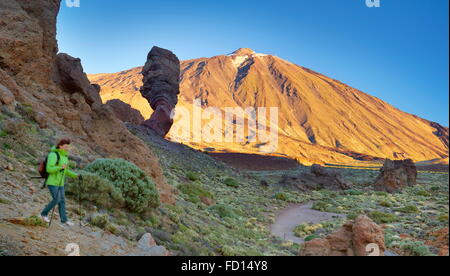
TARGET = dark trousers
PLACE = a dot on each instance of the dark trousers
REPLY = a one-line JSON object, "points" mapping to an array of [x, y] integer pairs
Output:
{"points": [[58, 198]]}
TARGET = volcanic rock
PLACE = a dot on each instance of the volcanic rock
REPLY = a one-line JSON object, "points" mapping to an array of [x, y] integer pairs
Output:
{"points": [[361, 237], [318, 178], [396, 175], [161, 88], [125, 112]]}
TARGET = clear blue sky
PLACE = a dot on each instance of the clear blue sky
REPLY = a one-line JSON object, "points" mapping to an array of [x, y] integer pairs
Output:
{"points": [[398, 52]]}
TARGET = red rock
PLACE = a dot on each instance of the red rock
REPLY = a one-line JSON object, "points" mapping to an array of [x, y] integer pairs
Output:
{"points": [[316, 247], [125, 112], [396, 175], [161, 87], [365, 232], [351, 239]]}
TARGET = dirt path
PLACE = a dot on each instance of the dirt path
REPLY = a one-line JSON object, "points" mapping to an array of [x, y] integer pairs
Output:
{"points": [[294, 215]]}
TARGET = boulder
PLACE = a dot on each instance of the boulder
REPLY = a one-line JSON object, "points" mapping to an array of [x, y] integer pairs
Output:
{"points": [[6, 97], [365, 232], [146, 241], [317, 178], [354, 238], [148, 247], [396, 175], [72, 78], [125, 112]]}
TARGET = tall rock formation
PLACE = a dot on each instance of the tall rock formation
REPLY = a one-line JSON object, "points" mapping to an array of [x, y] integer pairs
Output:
{"points": [[161, 87]]}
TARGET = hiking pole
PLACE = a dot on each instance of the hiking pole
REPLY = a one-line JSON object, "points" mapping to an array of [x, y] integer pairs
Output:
{"points": [[53, 211], [51, 218], [79, 198]]}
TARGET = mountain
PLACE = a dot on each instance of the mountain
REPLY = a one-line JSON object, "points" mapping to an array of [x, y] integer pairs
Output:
{"points": [[321, 120]]}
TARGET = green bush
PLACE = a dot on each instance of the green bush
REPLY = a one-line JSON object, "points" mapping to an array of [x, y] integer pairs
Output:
{"points": [[193, 176], [3, 133], [322, 206], [312, 237], [354, 215], [137, 188], [415, 248], [410, 209], [223, 211], [281, 196], [423, 193], [443, 218], [27, 111], [306, 229], [4, 201], [353, 192], [101, 221], [385, 203], [380, 217], [231, 182], [194, 191], [96, 189], [34, 221]]}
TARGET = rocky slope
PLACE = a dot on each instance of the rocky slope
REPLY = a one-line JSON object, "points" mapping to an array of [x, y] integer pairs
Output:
{"points": [[321, 120], [55, 90]]}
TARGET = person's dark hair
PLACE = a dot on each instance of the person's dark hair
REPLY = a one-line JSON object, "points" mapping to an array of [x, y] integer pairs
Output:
{"points": [[63, 142]]}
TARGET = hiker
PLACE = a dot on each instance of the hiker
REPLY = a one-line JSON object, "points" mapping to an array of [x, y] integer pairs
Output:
{"points": [[57, 169]]}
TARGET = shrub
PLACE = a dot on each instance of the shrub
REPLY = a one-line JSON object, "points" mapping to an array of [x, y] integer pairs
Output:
{"points": [[415, 248], [223, 211], [4, 201], [353, 192], [194, 191], [443, 218], [27, 111], [231, 182], [410, 209], [3, 133], [113, 229], [306, 229], [96, 189], [423, 193], [137, 189], [99, 220], [380, 217], [193, 176], [354, 215], [17, 128], [311, 237], [322, 206], [34, 221], [385, 203], [281, 196]]}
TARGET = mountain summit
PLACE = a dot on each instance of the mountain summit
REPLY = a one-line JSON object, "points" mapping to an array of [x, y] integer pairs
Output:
{"points": [[243, 52], [321, 120]]}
